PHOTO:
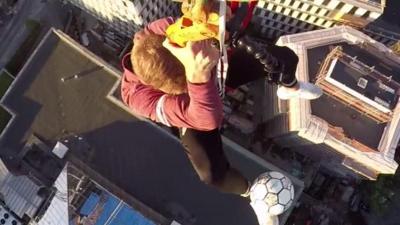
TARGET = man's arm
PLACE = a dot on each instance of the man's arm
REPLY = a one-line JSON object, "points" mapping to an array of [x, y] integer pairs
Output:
{"points": [[200, 109], [205, 106]]}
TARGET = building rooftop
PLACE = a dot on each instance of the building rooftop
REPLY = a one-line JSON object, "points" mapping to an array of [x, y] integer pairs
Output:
{"points": [[82, 196], [132, 153], [52, 104], [355, 123], [21, 194], [358, 115]]}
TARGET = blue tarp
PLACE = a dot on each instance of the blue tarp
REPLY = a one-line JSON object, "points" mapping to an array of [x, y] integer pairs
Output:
{"points": [[109, 207], [115, 212], [128, 216], [90, 204]]}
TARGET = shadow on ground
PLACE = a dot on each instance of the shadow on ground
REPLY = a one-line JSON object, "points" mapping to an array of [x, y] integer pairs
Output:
{"points": [[152, 167]]}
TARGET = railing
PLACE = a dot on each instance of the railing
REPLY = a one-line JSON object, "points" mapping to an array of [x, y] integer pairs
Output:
{"points": [[358, 105], [338, 133], [323, 72], [344, 97]]}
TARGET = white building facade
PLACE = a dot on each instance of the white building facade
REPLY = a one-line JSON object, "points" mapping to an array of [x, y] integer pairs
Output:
{"points": [[304, 128], [127, 16], [279, 17], [275, 17]]}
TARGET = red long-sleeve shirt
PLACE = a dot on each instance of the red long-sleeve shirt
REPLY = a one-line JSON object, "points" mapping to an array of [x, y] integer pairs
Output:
{"points": [[200, 108]]}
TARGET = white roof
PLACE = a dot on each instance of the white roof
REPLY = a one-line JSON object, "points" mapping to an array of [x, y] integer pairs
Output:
{"points": [[60, 150], [57, 212], [3, 172], [20, 193]]}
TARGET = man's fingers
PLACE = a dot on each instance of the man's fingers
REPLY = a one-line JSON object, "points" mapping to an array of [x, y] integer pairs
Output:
{"points": [[175, 48]]}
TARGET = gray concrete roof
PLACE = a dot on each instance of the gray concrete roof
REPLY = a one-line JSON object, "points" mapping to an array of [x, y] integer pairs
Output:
{"points": [[131, 153], [355, 124]]}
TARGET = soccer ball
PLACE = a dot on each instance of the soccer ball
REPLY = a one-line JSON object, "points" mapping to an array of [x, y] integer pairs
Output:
{"points": [[272, 191]]}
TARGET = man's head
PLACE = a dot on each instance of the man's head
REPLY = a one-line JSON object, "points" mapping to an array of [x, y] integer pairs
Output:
{"points": [[156, 66]]}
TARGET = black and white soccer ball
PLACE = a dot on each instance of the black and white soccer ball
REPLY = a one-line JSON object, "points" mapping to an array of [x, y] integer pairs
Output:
{"points": [[272, 191]]}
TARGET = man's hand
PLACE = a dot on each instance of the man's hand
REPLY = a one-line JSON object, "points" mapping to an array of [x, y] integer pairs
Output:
{"points": [[198, 58]]}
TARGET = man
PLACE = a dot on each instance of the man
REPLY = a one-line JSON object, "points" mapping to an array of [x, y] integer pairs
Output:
{"points": [[181, 94], [176, 87]]}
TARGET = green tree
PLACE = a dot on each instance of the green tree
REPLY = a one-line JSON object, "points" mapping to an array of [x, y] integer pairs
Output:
{"points": [[383, 192], [396, 48]]}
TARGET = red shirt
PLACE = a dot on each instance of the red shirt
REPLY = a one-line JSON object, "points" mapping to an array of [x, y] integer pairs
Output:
{"points": [[200, 108]]}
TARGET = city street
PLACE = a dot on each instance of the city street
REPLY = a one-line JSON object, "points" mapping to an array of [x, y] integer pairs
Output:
{"points": [[48, 13]]}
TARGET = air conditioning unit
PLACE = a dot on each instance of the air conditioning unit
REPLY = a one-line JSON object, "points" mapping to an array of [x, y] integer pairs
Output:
{"points": [[7, 218]]}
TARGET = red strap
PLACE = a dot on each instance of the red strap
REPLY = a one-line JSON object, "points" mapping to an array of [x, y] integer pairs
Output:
{"points": [[234, 6], [249, 15]]}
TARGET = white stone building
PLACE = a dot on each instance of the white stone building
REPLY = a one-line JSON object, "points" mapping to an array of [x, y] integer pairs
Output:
{"points": [[127, 16], [356, 123], [279, 17]]}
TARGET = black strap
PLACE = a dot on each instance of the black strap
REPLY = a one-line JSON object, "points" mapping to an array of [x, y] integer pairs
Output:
{"points": [[272, 66]]}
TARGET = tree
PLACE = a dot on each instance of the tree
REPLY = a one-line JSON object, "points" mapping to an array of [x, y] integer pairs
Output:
{"points": [[396, 48], [381, 193]]}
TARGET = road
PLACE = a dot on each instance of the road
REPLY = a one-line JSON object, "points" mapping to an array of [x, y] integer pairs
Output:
{"points": [[49, 13], [14, 33]]}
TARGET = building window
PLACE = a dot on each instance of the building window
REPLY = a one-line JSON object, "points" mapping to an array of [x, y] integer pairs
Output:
{"points": [[326, 2], [353, 11], [258, 11], [270, 14], [292, 14], [327, 12], [340, 6], [366, 15]]}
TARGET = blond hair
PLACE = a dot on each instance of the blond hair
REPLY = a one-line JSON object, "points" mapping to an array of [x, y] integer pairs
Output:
{"points": [[156, 66]]}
